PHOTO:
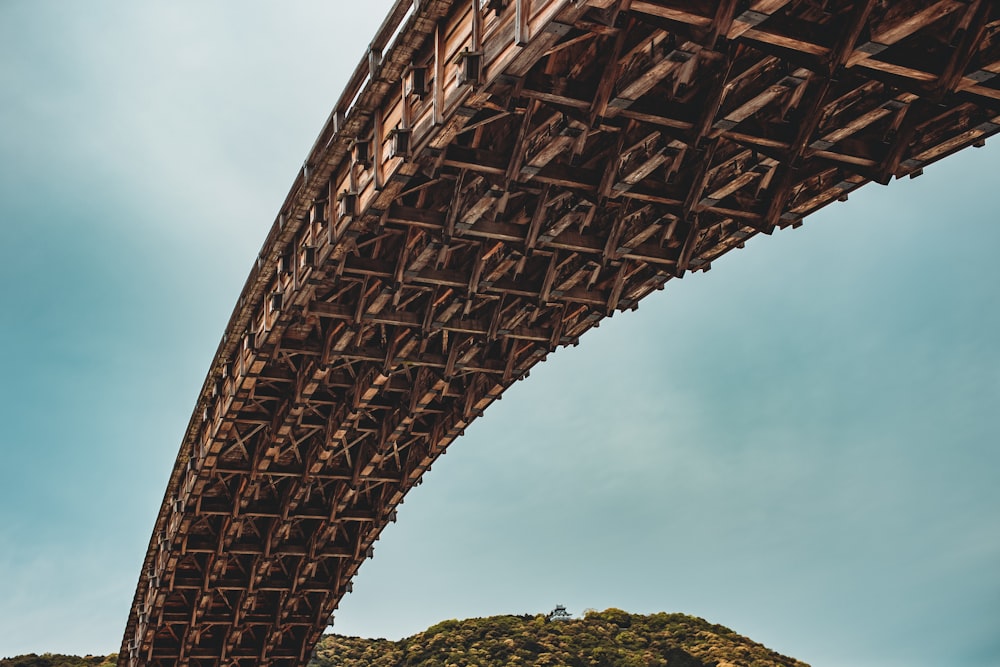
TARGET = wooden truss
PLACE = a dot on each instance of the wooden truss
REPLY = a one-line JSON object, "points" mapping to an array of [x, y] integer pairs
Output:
{"points": [[497, 178]]}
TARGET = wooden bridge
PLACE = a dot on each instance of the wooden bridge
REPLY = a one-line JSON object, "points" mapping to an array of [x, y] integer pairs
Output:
{"points": [[498, 176]]}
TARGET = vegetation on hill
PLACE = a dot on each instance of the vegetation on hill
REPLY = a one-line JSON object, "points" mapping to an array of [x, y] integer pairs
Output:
{"points": [[59, 660], [610, 638]]}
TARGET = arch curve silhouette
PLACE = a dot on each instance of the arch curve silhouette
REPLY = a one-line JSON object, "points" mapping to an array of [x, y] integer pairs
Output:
{"points": [[438, 243]]}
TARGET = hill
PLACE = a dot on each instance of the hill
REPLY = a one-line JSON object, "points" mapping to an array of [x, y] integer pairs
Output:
{"points": [[59, 660], [610, 638]]}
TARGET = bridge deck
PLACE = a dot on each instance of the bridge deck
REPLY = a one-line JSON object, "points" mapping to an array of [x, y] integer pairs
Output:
{"points": [[498, 177]]}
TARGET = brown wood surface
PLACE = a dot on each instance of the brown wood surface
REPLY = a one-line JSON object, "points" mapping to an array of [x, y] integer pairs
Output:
{"points": [[551, 163]]}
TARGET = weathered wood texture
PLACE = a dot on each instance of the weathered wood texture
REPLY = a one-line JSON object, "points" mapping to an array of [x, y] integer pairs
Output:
{"points": [[494, 181]]}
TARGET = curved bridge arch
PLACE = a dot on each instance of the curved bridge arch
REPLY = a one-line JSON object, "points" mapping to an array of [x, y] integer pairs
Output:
{"points": [[497, 178]]}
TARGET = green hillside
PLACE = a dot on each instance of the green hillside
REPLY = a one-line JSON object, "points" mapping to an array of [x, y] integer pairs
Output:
{"points": [[59, 660], [610, 638]]}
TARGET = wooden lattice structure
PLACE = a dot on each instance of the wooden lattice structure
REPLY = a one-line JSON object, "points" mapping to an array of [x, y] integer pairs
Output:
{"points": [[499, 176]]}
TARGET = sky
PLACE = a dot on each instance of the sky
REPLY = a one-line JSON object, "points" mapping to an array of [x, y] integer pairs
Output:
{"points": [[801, 444]]}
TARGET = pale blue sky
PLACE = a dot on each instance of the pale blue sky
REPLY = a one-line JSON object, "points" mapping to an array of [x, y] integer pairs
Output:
{"points": [[801, 444]]}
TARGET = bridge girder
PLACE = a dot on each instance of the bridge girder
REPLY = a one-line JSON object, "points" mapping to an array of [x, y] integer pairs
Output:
{"points": [[500, 179]]}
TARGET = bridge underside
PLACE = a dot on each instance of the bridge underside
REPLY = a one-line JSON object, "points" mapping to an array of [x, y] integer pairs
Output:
{"points": [[502, 177]]}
